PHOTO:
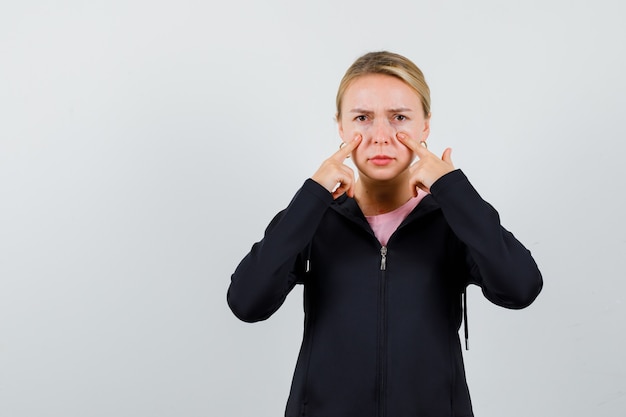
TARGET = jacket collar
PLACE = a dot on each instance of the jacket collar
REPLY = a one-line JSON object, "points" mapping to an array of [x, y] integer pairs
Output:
{"points": [[348, 208]]}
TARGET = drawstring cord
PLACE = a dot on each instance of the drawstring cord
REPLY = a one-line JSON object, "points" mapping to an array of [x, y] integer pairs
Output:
{"points": [[465, 325], [307, 265]]}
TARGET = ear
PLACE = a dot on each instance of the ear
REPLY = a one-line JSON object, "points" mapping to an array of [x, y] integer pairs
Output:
{"points": [[339, 127], [426, 130]]}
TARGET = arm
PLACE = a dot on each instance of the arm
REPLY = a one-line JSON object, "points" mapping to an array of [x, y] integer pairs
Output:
{"points": [[269, 272], [498, 262]]}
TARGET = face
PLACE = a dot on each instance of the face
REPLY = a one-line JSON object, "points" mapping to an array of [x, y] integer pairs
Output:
{"points": [[378, 107]]}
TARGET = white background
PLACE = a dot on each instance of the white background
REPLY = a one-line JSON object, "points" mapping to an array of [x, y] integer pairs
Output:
{"points": [[145, 145]]}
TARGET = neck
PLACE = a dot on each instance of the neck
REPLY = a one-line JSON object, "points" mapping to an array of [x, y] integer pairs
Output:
{"points": [[379, 197]]}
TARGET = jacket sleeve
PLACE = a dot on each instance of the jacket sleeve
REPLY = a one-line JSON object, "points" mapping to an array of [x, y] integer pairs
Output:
{"points": [[498, 262], [274, 265]]}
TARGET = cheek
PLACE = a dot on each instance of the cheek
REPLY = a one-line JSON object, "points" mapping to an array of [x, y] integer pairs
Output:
{"points": [[360, 154], [414, 129], [405, 153], [350, 131], [351, 127]]}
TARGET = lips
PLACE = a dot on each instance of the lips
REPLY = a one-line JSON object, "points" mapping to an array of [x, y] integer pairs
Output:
{"points": [[381, 160]]}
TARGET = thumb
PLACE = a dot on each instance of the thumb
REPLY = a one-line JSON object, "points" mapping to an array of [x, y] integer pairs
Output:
{"points": [[447, 156]]}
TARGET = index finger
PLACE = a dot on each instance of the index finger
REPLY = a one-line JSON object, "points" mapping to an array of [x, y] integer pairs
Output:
{"points": [[419, 147], [346, 149]]}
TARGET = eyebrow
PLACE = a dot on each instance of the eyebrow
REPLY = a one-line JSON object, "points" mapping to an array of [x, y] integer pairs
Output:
{"points": [[398, 110]]}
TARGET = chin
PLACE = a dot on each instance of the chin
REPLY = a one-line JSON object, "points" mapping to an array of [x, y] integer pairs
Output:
{"points": [[381, 176]]}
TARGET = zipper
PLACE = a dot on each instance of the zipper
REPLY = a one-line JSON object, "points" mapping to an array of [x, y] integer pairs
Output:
{"points": [[383, 258], [382, 335]]}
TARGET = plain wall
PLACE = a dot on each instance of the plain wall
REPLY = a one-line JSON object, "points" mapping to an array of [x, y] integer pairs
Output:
{"points": [[145, 145]]}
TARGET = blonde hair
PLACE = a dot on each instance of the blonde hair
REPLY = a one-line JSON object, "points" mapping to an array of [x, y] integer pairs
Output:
{"points": [[387, 63]]}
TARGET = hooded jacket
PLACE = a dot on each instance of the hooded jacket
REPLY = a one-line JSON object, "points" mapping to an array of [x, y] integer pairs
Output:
{"points": [[381, 322]]}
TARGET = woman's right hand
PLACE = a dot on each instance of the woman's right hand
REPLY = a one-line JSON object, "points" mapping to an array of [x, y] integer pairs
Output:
{"points": [[334, 175]]}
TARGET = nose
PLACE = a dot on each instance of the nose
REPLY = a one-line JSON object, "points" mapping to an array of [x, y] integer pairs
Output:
{"points": [[382, 132]]}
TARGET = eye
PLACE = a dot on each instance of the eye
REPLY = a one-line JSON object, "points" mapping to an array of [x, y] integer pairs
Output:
{"points": [[400, 117], [361, 118]]}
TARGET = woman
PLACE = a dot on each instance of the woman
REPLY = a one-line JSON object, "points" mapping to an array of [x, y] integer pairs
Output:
{"points": [[384, 259]]}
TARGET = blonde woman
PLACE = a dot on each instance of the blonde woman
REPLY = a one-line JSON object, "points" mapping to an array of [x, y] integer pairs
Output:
{"points": [[385, 258]]}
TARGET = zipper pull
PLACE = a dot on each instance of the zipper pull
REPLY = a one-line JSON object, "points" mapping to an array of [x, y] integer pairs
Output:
{"points": [[383, 260]]}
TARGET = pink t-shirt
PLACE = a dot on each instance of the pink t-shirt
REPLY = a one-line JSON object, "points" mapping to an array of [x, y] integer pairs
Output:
{"points": [[385, 224]]}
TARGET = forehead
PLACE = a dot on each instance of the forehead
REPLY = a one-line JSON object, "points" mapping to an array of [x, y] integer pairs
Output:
{"points": [[380, 90]]}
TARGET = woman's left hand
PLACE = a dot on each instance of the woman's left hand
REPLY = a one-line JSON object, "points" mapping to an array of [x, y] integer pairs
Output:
{"points": [[429, 168]]}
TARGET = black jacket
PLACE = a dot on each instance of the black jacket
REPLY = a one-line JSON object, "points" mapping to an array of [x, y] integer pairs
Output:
{"points": [[381, 323]]}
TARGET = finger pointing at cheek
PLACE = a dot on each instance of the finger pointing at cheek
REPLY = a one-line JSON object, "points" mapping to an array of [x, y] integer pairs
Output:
{"points": [[429, 168], [334, 175], [419, 147], [346, 148]]}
